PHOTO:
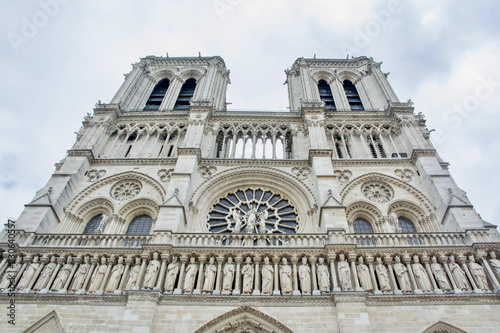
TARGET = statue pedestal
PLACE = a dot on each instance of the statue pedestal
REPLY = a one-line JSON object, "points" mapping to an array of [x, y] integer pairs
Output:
{"points": [[296, 293], [226, 292], [316, 293], [62, 291], [99, 292], [256, 292], [236, 292], [44, 291], [195, 292], [359, 289], [398, 292], [438, 291], [478, 291], [216, 292], [277, 292], [378, 292], [458, 291], [157, 289], [177, 291]]}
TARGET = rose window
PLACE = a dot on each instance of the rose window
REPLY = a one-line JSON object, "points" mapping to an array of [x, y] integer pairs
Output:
{"points": [[377, 192], [125, 190], [253, 211]]}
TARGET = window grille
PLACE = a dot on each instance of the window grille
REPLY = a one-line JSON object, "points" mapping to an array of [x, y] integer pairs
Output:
{"points": [[140, 225]]}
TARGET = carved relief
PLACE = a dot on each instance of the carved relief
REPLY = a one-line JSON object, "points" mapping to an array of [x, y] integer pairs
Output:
{"points": [[301, 172], [165, 174], [207, 171], [94, 175], [404, 174], [125, 190], [343, 175], [377, 191]]}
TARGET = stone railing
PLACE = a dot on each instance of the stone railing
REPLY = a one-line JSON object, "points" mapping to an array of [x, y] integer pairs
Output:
{"points": [[65, 240], [418, 239]]}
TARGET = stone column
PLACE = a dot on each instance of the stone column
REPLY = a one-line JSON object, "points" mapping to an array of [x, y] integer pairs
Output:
{"points": [[5, 261], [128, 262], [76, 263], [352, 259], [369, 261], [43, 262], [425, 260], [312, 261], [388, 262], [178, 290], [237, 277], [60, 262], [110, 262], [218, 278], [276, 291], [144, 265], [407, 261], [161, 278], [295, 280], [256, 291], [199, 283], [93, 263], [333, 272], [26, 262], [462, 260], [487, 268], [444, 261]]}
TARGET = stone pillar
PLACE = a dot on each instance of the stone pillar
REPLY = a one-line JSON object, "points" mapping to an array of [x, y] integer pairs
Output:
{"points": [[161, 278], [218, 278], [354, 271], [199, 283], [178, 290], [425, 260], [76, 263], [276, 261], [256, 291], [93, 263], [369, 261], [128, 262], [461, 260], [60, 262], [145, 259], [388, 262], [444, 261], [295, 280], [487, 268], [237, 277], [333, 272], [407, 261], [110, 262], [315, 290]]}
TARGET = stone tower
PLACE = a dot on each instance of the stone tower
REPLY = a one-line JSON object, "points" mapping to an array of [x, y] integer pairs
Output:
{"points": [[337, 215]]}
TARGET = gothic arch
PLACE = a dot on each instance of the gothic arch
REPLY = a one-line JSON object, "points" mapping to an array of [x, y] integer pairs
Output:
{"points": [[241, 319], [191, 72], [407, 209], [365, 210], [164, 73], [139, 207], [442, 327], [293, 189], [94, 207], [323, 75], [349, 75]]}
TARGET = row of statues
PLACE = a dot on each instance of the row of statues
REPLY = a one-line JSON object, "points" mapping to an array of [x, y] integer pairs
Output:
{"points": [[250, 276]]}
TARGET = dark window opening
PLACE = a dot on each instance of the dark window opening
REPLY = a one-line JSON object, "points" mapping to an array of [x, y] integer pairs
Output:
{"points": [[339, 151], [128, 150], [353, 96], [157, 95], [361, 226], [140, 225], [170, 151], [325, 94], [186, 93], [406, 225], [92, 225], [373, 151]]}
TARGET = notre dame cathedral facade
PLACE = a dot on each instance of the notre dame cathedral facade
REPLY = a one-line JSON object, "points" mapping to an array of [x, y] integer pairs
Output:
{"points": [[171, 213]]}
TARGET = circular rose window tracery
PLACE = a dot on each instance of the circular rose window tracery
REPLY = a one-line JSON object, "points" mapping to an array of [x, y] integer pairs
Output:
{"points": [[125, 190], [377, 192], [253, 211]]}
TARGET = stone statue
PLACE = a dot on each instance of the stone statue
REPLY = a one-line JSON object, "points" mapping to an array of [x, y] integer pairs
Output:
{"points": [[45, 275], [98, 276], [458, 275], [478, 272], [393, 218], [402, 275], [323, 276], [10, 274], [116, 275], [134, 274], [364, 275], [383, 276], [267, 277], [102, 225], [248, 273], [235, 214], [190, 277], [210, 273], [305, 277], [344, 273], [262, 222], [495, 264], [227, 283], [286, 277], [440, 275], [81, 274], [172, 272], [28, 274], [63, 274], [251, 218], [151, 272], [421, 276]]}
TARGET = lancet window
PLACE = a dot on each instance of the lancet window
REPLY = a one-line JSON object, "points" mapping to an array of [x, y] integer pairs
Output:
{"points": [[325, 94], [352, 96], [156, 97], [140, 225], [406, 225], [361, 226], [186, 93], [376, 147], [92, 225], [257, 143]]}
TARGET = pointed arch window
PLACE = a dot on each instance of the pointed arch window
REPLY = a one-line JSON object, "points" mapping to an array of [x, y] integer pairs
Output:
{"points": [[157, 95], [406, 225], [140, 225], [325, 94], [186, 93], [92, 225], [362, 226], [352, 96]]}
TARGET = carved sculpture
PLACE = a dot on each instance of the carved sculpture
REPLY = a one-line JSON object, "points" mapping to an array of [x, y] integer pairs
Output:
{"points": [[440, 275], [81, 274], [229, 270], [251, 219], [45, 275], [248, 274], [393, 218], [286, 277], [323, 276], [98, 276], [10, 274], [116, 275], [190, 278], [262, 222], [102, 225], [235, 214], [28, 273], [478, 272], [305, 277], [62, 276], [152, 271], [402, 275], [421, 276], [383, 276], [495, 264], [134, 274], [458, 275], [267, 277], [172, 272], [344, 273], [210, 273], [364, 275]]}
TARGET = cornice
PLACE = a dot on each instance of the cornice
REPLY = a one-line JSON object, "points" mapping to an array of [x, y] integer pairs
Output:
{"points": [[252, 162], [70, 299], [277, 115], [371, 162], [432, 299]]}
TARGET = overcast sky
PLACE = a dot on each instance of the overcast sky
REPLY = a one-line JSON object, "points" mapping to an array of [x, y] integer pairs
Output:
{"points": [[57, 58]]}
